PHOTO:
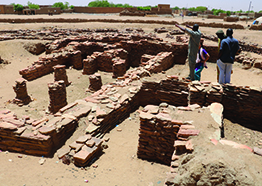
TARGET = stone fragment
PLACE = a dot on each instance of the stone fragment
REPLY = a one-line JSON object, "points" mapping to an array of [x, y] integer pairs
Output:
{"points": [[42, 161], [257, 151], [90, 143], [63, 151], [152, 109], [91, 128], [7, 126], [83, 139]]}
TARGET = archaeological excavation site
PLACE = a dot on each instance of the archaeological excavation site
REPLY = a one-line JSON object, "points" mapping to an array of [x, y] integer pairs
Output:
{"points": [[78, 89]]}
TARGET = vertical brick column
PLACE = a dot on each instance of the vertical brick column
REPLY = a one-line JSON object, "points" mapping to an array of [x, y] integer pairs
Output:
{"points": [[60, 74], [119, 67], [76, 60], [89, 65], [22, 98], [57, 95], [95, 82]]}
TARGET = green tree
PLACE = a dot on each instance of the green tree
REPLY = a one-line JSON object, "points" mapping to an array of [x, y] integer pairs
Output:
{"points": [[218, 11], [71, 6], [66, 5], [260, 11], [61, 5], [32, 6], [145, 8], [176, 8], [18, 7], [98, 3], [192, 9], [201, 8], [127, 6], [228, 13]]}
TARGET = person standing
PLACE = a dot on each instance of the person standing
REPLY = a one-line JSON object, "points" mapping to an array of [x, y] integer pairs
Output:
{"points": [[226, 56], [202, 57], [193, 44], [220, 35]]}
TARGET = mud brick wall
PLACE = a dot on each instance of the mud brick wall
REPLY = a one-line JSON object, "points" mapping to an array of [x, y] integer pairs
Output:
{"points": [[36, 137], [81, 9], [45, 64], [125, 105], [156, 138], [153, 48], [214, 25], [243, 104], [57, 95], [88, 48], [205, 93], [231, 19], [104, 59], [172, 91], [162, 61], [22, 97], [256, 27]]}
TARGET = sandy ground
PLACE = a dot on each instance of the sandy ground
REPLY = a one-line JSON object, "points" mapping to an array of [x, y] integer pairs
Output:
{"points": [[119, 164]]}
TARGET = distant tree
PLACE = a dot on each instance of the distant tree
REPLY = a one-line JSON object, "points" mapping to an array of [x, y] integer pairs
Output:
{"points": [[32, 6], [218, 11], [61, 5], [66, 5], [260, 11], [201, 8], [127, 6], [18, 7], [228, 13], [192, 9], [176, 8], [99, 3], [71, 6], [144, 8]]}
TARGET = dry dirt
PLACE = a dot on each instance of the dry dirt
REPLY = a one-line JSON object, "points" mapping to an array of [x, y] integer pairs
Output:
{"points": [[119, 164]]}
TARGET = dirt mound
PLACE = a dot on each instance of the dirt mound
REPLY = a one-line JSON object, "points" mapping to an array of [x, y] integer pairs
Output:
{"points": [[35, 48], [193, 172]]}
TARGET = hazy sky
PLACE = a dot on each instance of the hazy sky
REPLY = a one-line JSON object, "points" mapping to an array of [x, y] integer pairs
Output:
{"points": [[234, 5]]}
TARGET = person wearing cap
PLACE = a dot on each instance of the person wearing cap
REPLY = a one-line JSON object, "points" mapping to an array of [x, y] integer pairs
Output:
{"points": [[226, 56], [193, 44], [202, 57]]}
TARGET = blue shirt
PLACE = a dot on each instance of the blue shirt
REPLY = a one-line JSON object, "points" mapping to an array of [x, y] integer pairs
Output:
{"points": [[229, 48]]}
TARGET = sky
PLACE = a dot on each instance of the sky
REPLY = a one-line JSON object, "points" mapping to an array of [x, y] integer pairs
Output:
{"points": [[232, 5]]}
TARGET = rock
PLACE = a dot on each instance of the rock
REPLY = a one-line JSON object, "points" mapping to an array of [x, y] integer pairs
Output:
{"points": [[257, 151], [41, 161]]}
